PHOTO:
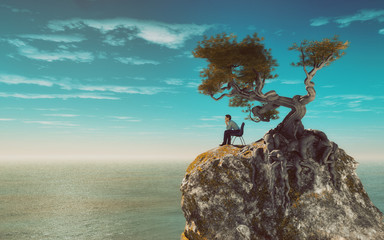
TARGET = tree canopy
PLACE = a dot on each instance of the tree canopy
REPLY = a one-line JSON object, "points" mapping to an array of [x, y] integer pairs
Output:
{"points": [[239, 70], [231, 60], [315, 53]]}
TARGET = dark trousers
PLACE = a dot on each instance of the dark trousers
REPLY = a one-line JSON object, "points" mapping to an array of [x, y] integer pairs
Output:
{"points": [[228, 134]]}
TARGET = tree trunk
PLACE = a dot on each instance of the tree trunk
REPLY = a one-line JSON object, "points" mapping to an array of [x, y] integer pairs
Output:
{"points": [[292, 127]]}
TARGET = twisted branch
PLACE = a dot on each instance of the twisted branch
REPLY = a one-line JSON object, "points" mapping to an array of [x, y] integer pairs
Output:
{"points": [[223, 95], [309, 85]]}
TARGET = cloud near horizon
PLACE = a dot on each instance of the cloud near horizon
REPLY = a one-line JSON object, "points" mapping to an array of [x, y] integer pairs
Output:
{"points": [[53, 123], [352, 103], [56, 96], [68, 85], [168, 35]]}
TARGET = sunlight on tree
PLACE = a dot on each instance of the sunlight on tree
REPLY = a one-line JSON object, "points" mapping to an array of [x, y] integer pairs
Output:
{"points": [[239, 70]]}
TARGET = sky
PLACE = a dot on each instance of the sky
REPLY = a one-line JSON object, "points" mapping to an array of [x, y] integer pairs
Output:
{"points": [[98, 79]]}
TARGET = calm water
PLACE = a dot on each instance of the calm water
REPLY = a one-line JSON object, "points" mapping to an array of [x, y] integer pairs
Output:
{"points": [[93, 201], [372, 176], [107, 201]]}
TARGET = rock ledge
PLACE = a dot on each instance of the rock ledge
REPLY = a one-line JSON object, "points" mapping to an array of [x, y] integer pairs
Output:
{"points": [[278, 189]]}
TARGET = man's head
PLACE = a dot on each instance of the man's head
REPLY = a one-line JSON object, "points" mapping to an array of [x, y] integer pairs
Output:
{"points": [[228, 117]]}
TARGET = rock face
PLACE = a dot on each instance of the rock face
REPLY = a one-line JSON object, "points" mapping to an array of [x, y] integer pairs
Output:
{"points": [[278, 189]]}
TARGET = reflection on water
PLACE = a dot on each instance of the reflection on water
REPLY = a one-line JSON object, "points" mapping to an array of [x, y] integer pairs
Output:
{"points": [[94, 201]]}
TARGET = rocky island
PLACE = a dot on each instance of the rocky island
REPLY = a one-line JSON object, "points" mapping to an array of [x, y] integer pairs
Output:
{"points": [[276, 189], [294, 183]]}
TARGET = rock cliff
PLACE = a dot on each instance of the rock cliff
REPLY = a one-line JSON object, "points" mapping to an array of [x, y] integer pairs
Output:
{"points": [[278, 189]]}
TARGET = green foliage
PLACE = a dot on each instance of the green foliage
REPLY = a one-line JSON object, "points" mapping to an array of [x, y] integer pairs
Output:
{"points": [[239, 70], [314, 53], [238, 101], [272, 114], [231, 60]]}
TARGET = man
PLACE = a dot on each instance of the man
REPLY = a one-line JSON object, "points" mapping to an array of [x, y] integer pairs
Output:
{"points": [[232, 130]]}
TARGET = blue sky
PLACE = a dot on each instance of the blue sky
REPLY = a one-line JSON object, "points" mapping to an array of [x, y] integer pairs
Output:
{"points": [[87, 79]]}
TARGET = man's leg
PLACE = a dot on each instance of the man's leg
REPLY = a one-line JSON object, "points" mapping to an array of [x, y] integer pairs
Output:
{"points": [[227, 136], [224, 138]]}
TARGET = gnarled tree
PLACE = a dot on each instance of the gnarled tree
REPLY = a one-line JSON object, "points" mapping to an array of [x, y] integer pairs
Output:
{"points": [[239, 70]]}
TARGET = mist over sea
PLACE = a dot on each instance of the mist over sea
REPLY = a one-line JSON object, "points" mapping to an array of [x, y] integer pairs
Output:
{"points": [[138, 201]]}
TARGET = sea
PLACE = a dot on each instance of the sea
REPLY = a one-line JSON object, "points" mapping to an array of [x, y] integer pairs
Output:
{"points": [[92, 201]]}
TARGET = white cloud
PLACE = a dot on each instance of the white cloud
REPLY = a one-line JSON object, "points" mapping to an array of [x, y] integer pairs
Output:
{"points": [[56, 96], [16, 10], [54, 37], [359, 110], [164, 34], [139, 78], [352, 97], [193, 84], [31, 52], [121, 117], [102, 55], [136, 61], [279, 32], [16, 79], [125, 119], [15, 42], [114, 41], [150, 133], [212, 118], [7, 119], [362, 16], [328, 86], [198, 69], [207, 126], [67, 85], [319, 21], [61, 115], [344, 21], [118, 127], [59, 55], [352, 103], [53, 123], [189, 83], [174, 81], [185, 54], [123, 89], [53, 109], [381, 31], [291, 82]]}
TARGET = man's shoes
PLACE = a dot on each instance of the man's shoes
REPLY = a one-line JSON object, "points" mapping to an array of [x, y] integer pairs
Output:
{"points": [[222, 144]]}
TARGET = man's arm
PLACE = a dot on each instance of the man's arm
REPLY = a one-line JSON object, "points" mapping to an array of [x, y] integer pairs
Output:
{"points": [[229, 125]]}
